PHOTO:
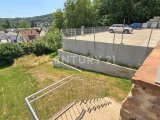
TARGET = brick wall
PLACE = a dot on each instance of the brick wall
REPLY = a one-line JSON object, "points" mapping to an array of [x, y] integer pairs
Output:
{"points": [[143, 102]]}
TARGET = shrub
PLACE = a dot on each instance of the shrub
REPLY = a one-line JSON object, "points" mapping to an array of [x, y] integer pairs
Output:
{"points": [[8, 52], [52, 55], [41, 48], [53, 38], [28, 47]]}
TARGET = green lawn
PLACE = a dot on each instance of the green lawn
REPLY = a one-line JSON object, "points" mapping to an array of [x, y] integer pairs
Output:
{"points": [[16, 83]]}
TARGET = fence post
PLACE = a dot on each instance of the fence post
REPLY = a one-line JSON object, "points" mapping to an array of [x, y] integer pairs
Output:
{"points": [[71, 32], [67, 32], [94, 42], [75, 35], [149, 41], [92, 30], [122, 36], [94, 36], [114, 40], [82, 30], [123, 30]]}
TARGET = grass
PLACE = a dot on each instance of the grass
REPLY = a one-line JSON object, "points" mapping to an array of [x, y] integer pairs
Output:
{"points": [[24, 78], [15, 85]]}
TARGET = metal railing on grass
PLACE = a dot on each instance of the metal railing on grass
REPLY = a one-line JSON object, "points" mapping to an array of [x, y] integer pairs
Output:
{"points": [[45, 103], [30, 99]]}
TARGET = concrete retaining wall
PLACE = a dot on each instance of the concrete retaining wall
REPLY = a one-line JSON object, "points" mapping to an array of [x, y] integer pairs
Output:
{"points": [[121, 54], [94, 65], [59, 64]]}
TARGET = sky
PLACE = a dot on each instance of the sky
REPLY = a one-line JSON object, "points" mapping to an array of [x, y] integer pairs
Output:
{"points": [[28, 8]]}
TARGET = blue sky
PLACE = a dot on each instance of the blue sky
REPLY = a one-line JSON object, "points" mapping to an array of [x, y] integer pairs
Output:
{"points": [[28, 8]]}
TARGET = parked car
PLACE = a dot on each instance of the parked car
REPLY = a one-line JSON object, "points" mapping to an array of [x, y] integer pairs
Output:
{"points": [[120, 28], [136, 26]]}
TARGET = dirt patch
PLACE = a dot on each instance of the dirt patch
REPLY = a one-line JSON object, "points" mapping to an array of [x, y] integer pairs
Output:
{"points": [[42, 75]]}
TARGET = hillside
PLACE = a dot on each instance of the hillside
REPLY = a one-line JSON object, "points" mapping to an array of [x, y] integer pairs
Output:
{"points": [[45, 19]]}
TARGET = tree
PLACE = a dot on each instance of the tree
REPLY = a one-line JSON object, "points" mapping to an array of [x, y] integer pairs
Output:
{"points": [[24, 24], [70, 15], [52, 40], [145, 10], [7, 24], [127, 9], [105, 12], [79, 13], [32, 23], [84, 13], [101, 9], [59, 18], [1, 28]]}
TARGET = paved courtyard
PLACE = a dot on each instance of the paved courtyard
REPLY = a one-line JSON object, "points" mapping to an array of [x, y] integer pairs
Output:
{"points": [[137, 38]]}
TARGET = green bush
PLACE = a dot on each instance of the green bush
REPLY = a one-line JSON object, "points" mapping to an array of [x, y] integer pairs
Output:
{"points": [[53, 38], [8, 52], [41, 48], [52, 55], [28, 47]]}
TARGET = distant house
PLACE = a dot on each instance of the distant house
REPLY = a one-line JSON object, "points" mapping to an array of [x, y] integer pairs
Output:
{"points": [[3, 38], [7, 37], [27, 35], [12, 36], [43, 32]]}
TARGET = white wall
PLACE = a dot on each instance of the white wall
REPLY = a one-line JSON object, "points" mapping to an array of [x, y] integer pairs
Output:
{"points": [[59, 64], [123, 54], [94, 65]]}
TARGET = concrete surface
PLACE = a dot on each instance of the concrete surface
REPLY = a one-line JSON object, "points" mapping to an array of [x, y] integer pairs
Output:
{"points": [[59, 64], [94, 65], [154, 25], [120, 54], [95, 109], [137, 38]]}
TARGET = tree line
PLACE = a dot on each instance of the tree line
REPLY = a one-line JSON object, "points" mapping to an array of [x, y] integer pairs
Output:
{"points": [[89, 13], [18, 24], [28, 22]]}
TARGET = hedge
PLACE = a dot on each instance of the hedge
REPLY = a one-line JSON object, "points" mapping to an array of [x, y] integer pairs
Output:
{"points": [[8, 52]]}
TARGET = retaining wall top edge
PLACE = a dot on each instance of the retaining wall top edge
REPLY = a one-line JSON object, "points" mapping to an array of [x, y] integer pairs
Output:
{"points": [[148, 71], [105, 43]]}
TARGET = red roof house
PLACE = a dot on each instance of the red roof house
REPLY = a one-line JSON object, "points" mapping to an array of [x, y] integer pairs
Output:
{"points": [[27, 35]]}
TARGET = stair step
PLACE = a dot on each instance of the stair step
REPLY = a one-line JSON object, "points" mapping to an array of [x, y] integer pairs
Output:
{"points": [[101, 109], [56, 116]]}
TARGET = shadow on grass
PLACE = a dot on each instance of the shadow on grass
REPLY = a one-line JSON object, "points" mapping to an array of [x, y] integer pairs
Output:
{"points": [[5, 66]]}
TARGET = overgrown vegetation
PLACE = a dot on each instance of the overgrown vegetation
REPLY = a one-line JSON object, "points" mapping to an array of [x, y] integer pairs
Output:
{"points": [[89, 13], [8, 52], [29, 61], [45, 45]]}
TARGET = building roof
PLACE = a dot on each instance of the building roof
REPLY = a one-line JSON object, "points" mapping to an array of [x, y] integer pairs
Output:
{"points": [[3, 36], [12, 37], [30, 34], [45, 29]]}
